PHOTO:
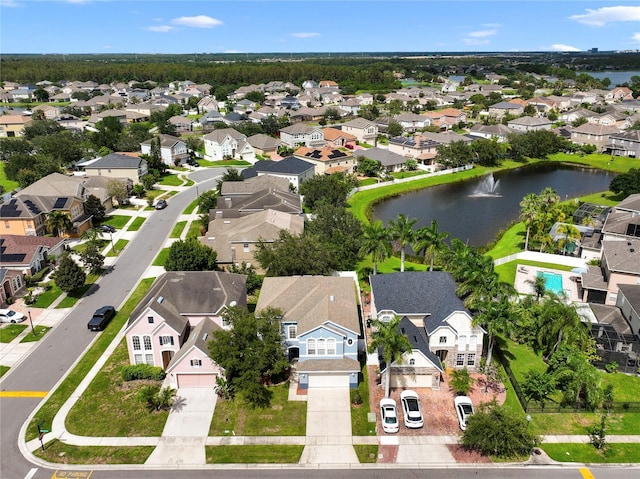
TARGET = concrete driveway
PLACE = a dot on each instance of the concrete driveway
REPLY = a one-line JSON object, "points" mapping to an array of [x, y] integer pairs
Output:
{"points": [[329, 438], [187, 427]]}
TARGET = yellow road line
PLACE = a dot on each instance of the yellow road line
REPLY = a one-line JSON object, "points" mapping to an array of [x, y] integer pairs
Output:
{"points": [[23, 394], [586, 473]]}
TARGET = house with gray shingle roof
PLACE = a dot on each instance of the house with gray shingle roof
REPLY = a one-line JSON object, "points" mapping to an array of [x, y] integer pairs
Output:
{"points": [[436, 322], [530, 123], [592, 134], [389, 160], [295, 170], [321, 325], [170, 318], [173, 150], [117, 165]]}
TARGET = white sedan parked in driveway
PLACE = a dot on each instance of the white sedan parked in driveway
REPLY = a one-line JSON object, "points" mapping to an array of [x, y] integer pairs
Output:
{"points": [[464, 409], [411, 409], [389, 415], [11, 316]]}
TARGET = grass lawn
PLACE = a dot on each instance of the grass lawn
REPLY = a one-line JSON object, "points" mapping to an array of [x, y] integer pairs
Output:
{"points": [[586, 453], [194, 229], [153, 194], [7, 184], [40, 332], [223, 163], [282, 418], [368, 181], [119, 246], [178, 229], [620, 164], [161, 259], [507, 271], [360, 426], [512, 242], [112, 405], [117, 221], [136, 224], [11, 332], [83, 246], [605, 198], [48, 297], [4, 370], [56, 451], [408, 174], [170, 180], [367, 453], [192, 206], [72, 297], [254, 454], [46, 413], [189, 182]]}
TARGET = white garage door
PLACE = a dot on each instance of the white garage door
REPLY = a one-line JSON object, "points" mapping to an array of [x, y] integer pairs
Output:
{"points": [[196, 380], [407, 381], [329, 381]]}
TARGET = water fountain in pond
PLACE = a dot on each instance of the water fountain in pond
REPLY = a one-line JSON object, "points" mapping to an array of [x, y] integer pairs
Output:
{"points": [[488, 188]]}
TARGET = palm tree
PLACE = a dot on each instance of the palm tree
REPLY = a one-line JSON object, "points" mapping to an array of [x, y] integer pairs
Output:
{"points": [[497, 318], [539, 286], [528, 211], [402, 231], [376, 242], [393, 343], [58, 222], [429, 240], [555, 323], [570, 233]]}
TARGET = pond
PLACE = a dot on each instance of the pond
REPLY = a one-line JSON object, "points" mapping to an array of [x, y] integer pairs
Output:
{"points": [[470, 211]]}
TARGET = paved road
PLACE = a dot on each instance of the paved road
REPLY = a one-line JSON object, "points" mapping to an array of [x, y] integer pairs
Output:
{"points": [[61, 347]]}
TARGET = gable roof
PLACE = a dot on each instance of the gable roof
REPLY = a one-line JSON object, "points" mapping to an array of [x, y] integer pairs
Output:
{"points": [[324, 154], [359, 123], [117, 161], [55, 184], [218, 136], [419, 340], [253, 185], [19, 250], [311, 301], [198, 338], [268, 198], [385, 157], [287, 166], [264, 142], [331, 134], [432, 293], [622, 256]]}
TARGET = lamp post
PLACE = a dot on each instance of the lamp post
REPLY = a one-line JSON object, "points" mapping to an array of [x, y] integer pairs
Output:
{"points": [[528, 421], [113, 246], [31, 321]]}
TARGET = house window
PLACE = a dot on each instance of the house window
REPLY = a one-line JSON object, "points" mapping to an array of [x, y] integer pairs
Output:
{"points": [[292, 332], [462, 341], [473, 340], [471, 359], [443, 340], [350, 342], [7, 225], [166, 340], [331, 346], [412, 362], [311, 347], [137, 358], [146, 340], [150, 319], [17, 283], [613, 297], [148, 359], [459, 359], [225, 321], [135, 341], [245, 247], [321, 347], [196, 363]]}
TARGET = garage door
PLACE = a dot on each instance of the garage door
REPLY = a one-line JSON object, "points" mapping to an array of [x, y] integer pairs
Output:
{"points": [[329, 381], [196, 380], [416, 381]]}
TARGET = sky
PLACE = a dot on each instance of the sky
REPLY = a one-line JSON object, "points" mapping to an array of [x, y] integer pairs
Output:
{"points": [[298, 26]]}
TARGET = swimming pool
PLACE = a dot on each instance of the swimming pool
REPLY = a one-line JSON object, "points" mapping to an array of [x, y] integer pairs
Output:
{"points": [[552, 282]]}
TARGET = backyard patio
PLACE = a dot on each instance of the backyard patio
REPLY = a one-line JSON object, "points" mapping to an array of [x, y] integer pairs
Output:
{"points": [[562, 283]]}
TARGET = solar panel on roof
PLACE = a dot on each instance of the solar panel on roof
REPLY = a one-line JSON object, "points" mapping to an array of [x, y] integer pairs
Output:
{"points": [[32, 207], [60, 202]]}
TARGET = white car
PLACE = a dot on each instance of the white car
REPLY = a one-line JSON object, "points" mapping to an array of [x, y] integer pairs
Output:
{"points": [[389, 415], [464, 409], [11, 316], [411, 409]]}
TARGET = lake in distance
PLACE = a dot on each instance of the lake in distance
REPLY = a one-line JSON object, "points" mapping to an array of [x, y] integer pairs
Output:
{"points": [[465, 215]]}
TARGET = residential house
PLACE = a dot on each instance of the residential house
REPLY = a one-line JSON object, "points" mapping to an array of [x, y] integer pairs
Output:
{"points": [[295, 170], [208, 103], [351, 106], [117, 165], [12, 285], [573, 115], [327, 160], [170, 317], [271, 197], [173, 150], [120, 115], [26, 213], [252, 185], [390, 162], [499, 132], [335, 138], [300, 134], [321, 326], [447, 118], [619, 93], [182, 123], [498, 110], [50, 112], [228, 143], [418, 147], [264, 145], [438, 326], [412, 122], [530, 123], [13, 125], [624, 144], [364, 130], [592, 134]]}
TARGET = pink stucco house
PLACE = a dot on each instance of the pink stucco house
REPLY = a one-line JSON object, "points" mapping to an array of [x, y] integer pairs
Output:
{"points": [[172, 325]]}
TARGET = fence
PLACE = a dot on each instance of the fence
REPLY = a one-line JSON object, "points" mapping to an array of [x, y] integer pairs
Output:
{"points": [[555, 408]]}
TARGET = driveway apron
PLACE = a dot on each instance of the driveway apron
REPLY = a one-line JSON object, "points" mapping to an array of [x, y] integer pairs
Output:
{"points": [[329, 438], [187, 427]]}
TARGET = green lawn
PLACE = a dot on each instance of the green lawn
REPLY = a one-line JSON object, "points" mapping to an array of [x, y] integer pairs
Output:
{"points": [[79, 248], [46, 298], [507, 271], [7, 184], [224, 163], [46, 413], [282, 418], [194, 229], [367, 453], [360, 426], [72, 297], [56, 451], [189, 182], [178, 229], [161, 259], [620, 164], [119, 246], [624, 453], [113, 406], [367, 181], [136, 224], [11, 332], [408, 174], [192, 206], [511, 242], [254, 454], [117, 221], [170, 180], [4, 370], [40, 332]]}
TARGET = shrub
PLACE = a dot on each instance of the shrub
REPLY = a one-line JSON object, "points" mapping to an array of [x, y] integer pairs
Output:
{"points": [[356, 397], [461, 381], [612, 367], [142, 371]]}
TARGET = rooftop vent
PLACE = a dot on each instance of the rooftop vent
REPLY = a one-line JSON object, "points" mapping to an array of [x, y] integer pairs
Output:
{"points": [[331, 298], [205, 336], [160, 299]]}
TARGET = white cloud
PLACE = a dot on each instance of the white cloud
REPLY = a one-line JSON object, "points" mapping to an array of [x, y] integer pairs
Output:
{"points": [[474, 41], [161, 28], [9, 3], [561, 47], [636, 37], [482, 33], [107, 47], [491, 25], [199, 21], [605, 15], [304, 34]]}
